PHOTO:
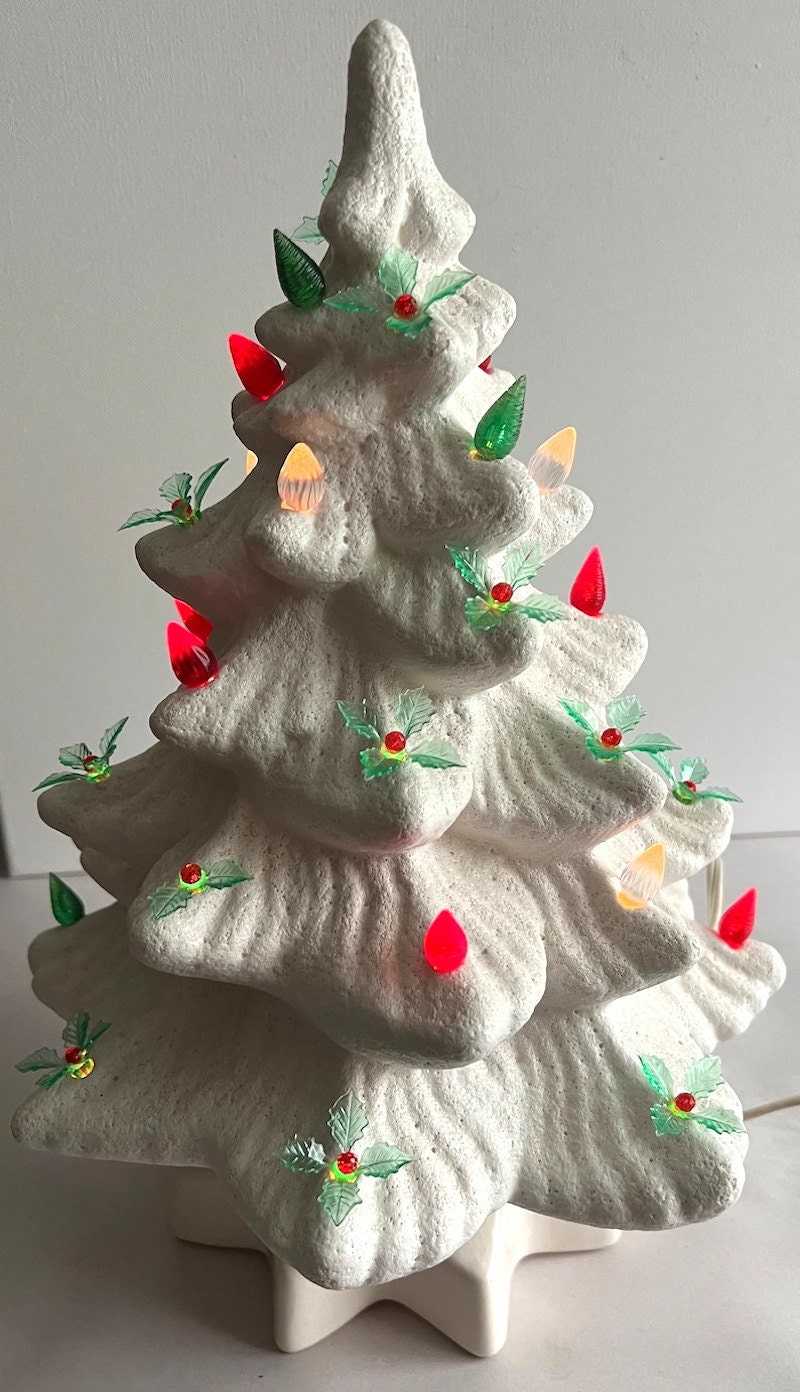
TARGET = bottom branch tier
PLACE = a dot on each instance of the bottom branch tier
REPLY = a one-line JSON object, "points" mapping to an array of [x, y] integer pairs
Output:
{"points": [[466, 1297], [556, 1120]]}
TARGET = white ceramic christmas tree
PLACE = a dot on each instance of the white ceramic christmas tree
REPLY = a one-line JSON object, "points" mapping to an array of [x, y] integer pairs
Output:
{"points": [[267, 958]]}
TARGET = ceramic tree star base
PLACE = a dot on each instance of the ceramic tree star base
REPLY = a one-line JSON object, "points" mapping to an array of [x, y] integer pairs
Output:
{"points": [[466, 1297]]}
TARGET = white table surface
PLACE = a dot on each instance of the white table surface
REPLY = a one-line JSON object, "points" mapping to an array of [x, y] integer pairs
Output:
{"points": [[97, 1296]]}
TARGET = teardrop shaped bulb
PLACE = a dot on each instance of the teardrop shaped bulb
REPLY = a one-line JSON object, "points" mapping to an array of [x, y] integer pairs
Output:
{"points": [[445, 943], [739, 920], [588, 593], [259, 372], [301, 481], [196, 623], [642, 878], [552, 461], [193, 663]]}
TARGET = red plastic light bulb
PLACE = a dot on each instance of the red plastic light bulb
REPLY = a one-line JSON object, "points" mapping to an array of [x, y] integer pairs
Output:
{"points": [[685, 1102], [405, 307], [347, 1162], [486, 365], [259, 372], [588, 593], [191, 872], [193, 663], [445, 943], [501, 592], [611, 737], [396, 741], [739, 920], [687, 783], [196, 623], [73, 1054]]}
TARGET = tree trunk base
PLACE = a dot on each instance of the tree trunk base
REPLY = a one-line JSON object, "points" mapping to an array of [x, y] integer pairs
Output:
{"points": [[466, 1297]]}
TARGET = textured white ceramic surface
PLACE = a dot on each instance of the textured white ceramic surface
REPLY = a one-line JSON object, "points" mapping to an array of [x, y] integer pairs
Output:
{"points": [[313, 976]]}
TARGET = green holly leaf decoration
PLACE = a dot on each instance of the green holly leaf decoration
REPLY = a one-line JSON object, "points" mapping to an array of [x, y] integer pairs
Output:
{"points": [[168, 899], [204, 483], [40, 1058], [76, 1029], [410, 328], [719, 1119], [376, 765], [73, 755], [666, 767], [544, 608], [654, 743], [722, 794], [471, 566], [665, 1123], [521, 563], [338, 1200], [355, 300], [140, 519], [347, 1120], [658, 1076], [99, 1029], [692, 771], [482, 615], [445, 284], [177, 488], [53, 778], [331, 170], [302, 1157], [498, 429], [49, 1080], [625, 713], [67, 907], [379, 1161], [301, 279], [397, 273], [108, 743], [222, 874], [583, 715], [435, 753], [359, 716], [308, 231], [703, 1076], [414, 710]]}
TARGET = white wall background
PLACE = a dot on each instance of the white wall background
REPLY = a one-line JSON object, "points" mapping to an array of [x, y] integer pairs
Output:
{"points": [[633, 167]]}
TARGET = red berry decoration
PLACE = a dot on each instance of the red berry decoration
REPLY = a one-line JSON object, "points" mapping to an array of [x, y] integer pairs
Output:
{"points": [[89, 761], [685, 1102], [347, 1162], [445, 943], [611, 737], [501, 592], [738, 921], [690, 785], [405, 307], [588, 593], [486, 365], [259, 372], [73, 1054], [193, 663], [395, 741], [191, 873]]}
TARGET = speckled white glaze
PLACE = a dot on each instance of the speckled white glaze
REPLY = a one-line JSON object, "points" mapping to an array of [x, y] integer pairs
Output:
{"points": [[515, 1079]]}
